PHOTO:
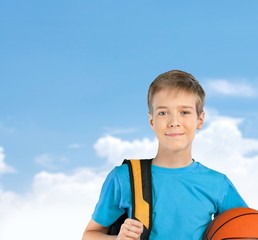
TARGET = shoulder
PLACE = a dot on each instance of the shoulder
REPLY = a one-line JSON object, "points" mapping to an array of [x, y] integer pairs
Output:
{"points": [[211, 173], [121, 171], [119, 175], [206, 170]]}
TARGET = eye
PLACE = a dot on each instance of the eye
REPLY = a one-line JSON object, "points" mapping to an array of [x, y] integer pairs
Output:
{"points": [[162, 113], [185, 112]]}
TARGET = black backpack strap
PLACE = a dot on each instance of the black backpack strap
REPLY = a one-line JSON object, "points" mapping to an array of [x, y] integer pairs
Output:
{"points": [[115, 227], [141, 188]]}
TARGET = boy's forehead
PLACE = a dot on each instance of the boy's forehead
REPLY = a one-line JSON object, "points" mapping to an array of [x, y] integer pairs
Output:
{"points": [[174, 94]]}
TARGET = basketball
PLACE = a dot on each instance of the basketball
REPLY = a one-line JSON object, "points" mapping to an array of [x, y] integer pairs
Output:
{"points": [[236, 223]]}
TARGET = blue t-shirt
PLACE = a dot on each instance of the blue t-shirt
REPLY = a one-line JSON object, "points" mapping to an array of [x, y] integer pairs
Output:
{"points": [[184, 199]]}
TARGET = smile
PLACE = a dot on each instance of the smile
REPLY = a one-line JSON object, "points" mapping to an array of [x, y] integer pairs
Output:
{"points": [[174, 134]]}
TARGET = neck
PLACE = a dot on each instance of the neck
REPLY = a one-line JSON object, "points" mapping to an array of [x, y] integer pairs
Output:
{"points": [[172, 159]]}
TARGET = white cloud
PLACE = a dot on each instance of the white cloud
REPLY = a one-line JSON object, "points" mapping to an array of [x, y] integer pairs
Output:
{"points": [[4, 168], [116, 149], [230, 88], [60, 205]]}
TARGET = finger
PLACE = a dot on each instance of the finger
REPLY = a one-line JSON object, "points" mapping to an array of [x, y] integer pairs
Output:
{"points": [[133, 222], [126, 234], [132, 228]]}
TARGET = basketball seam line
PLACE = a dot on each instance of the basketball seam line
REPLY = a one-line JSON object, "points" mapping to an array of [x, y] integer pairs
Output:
{"points": [[231, 220]]}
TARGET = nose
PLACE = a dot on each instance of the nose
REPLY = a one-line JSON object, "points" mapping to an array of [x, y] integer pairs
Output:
{"points": [[173, 121]]}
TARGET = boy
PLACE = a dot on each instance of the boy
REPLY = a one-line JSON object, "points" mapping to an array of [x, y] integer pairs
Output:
{"points": [[186, 194]]}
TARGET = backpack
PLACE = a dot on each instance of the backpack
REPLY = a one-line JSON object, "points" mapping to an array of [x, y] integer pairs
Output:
{"points": [[141, 188]]}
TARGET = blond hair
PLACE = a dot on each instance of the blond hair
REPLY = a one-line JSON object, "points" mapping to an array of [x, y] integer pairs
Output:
{"points": [[178, 80]]}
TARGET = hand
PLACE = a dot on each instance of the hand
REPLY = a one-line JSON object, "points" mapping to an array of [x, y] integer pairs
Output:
{"points": [[130, 230]]}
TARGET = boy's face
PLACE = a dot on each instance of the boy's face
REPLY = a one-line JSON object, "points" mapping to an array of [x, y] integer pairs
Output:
{"points": [[174, 119]]}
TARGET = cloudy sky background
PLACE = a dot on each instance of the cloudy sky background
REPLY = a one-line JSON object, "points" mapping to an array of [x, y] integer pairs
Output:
{"points": [[74, 77]]}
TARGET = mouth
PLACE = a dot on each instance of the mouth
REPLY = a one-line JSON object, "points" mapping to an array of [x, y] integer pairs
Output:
{"points": [[174, 134]]}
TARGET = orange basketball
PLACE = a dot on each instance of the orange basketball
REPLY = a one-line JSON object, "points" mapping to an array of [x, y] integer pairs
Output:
{"points": [[236, 223]]}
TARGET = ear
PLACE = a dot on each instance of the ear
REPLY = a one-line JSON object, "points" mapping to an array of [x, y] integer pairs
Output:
{"points": [[201, 121], [150, 119]]}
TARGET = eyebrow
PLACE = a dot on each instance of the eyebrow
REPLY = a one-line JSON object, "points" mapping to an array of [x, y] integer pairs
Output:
{"points": [[181, 106], [160, 107]]}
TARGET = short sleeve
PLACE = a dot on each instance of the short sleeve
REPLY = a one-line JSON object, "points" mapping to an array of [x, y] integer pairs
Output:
{"points": [[230, 198], [107, 209]]}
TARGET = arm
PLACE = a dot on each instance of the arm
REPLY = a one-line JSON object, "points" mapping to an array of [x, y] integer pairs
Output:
{"points": [[130, 230]]}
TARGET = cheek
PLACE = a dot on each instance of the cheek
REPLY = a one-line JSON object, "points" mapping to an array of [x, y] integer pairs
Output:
{"points": [[160, 128], [191, 125]]}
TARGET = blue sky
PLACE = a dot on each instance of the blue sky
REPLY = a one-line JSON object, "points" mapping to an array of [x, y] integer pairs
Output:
{"points": [[74, 76]]}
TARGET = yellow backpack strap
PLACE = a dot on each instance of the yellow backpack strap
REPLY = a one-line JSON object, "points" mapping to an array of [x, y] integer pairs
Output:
{"points": [[141, 188]]}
